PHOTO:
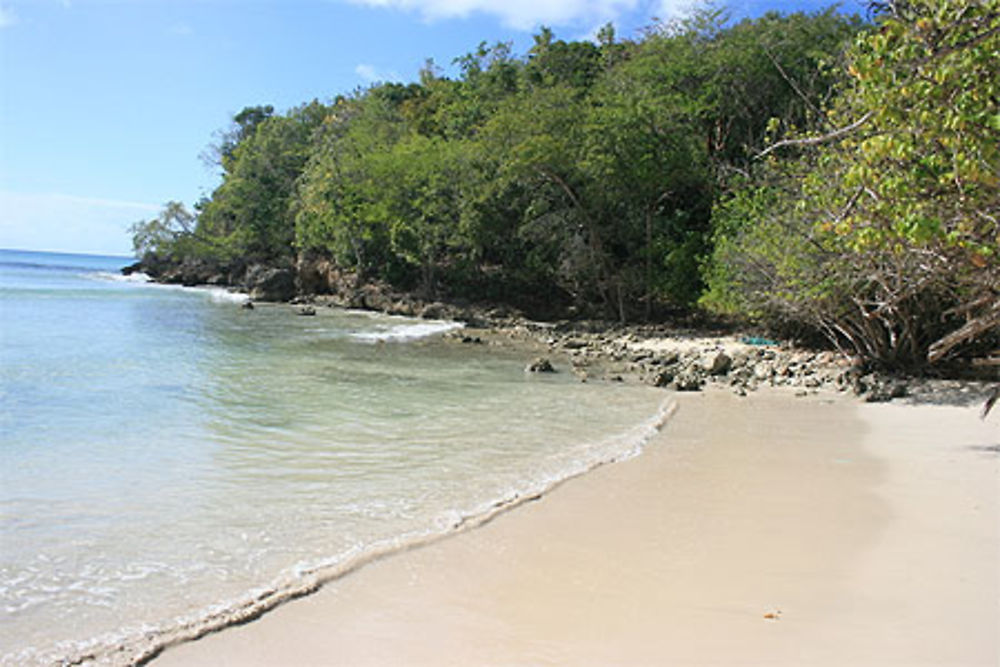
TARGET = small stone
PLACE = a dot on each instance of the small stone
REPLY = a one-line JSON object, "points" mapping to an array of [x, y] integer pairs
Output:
{"points": [[540, 365], [307, 310]]}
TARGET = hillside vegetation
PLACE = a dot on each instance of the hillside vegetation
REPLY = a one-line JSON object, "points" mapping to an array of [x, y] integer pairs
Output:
{"points": [[814, 173]]}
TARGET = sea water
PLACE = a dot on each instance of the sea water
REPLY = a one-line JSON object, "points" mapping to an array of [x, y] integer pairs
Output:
{"points": [[171, 461]]}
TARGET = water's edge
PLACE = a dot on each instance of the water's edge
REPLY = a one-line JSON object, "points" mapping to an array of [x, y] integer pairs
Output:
{"points": [[142, 648]]}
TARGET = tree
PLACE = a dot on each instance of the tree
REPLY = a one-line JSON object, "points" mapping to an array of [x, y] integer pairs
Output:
{"points": [[897, 204], [165, 234], [251, 213]]}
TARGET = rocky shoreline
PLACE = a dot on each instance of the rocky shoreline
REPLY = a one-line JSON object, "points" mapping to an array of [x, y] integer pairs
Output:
{"points": [[675, 358], [687, 360]]}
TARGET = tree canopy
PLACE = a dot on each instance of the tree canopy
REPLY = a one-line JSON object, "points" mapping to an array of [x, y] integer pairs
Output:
{"points": [[810, 171]]}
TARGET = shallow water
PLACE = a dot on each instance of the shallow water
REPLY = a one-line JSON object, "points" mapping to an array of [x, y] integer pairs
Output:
{"points": [[166, 453]]}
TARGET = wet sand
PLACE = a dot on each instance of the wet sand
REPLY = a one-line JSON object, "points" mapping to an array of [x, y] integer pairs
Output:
{"points": [[768, 530]]}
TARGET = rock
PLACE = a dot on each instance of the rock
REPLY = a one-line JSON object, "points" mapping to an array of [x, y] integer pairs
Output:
{"points": [[540, 365], [886, 390], [688, 380], [434, 311], [717, 363], [136, 267], [270, 284], [574, 344], [247, 305], [474, 340], [307, 310], [315, 273], [669, 358], [662, 378]]}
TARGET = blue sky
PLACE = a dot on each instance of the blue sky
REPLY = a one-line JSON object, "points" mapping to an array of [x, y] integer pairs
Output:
{"points": [[106, 105]]}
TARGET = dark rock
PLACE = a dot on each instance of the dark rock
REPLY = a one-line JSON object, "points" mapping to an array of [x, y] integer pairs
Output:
{"points": [[315, 273], [718, 363], [886, 390], [132, 268], [307, 310], [662, 378], [270, 284], [540, 365], [247, 305], [688, 380], [434, 311]]}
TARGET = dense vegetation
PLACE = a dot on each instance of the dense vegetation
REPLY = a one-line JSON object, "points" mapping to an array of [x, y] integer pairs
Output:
{"points": [[804, 171]]}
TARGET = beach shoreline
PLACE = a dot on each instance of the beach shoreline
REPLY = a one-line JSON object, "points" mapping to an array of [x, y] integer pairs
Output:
{"points": [[770, 529]]}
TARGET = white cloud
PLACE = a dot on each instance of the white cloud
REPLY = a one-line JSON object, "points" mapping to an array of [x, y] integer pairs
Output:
{"points": [[520, 14], [672, 9], [59, 222], [371, 74], [7, 17], [180, 30]]}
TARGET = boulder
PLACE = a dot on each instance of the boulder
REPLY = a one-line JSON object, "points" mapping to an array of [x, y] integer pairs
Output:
{"points": [[270, 284], [434, 311], [315, 273], [717, 363]]}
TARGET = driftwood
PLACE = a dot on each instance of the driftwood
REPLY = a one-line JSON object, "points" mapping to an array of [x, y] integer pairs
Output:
{"points": [[970, 330]]}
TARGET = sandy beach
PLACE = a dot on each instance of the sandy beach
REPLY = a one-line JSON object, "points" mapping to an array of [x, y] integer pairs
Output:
{"points": [[766, 530]]}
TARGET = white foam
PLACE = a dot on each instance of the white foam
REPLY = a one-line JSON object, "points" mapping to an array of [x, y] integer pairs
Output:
{"points": [[216, 294], [222, 295], [409, 331], [136, 277]]}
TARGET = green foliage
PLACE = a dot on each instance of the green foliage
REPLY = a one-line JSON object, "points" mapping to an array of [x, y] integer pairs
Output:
{"points": [[580, 173], [251, 212], [898, 209], [168, 234]]}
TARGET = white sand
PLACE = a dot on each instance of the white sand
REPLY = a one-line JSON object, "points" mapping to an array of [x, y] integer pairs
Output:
{"points": [[867, 533]]}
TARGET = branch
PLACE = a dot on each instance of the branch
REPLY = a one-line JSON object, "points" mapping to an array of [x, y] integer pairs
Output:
{"points": [[969, 331], [789, 80], [812, 141]]}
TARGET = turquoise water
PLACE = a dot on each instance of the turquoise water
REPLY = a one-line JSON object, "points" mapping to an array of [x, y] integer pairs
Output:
{"points": [[167, 455]]}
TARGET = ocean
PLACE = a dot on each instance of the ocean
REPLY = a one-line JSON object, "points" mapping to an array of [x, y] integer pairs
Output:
{"points": [[172, 462]]}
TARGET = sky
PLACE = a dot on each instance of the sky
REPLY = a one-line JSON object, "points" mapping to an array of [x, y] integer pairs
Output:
{"points": [[106, 106]]}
